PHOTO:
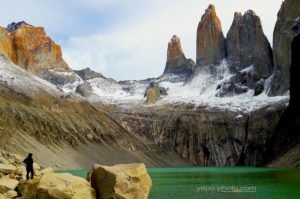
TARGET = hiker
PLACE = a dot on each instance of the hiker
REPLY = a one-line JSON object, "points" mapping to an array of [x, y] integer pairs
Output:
{"points": [[29, 166]]}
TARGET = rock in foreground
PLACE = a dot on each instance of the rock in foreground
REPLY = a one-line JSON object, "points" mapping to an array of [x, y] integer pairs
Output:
{"points": [[124, 181], [64, 186]]}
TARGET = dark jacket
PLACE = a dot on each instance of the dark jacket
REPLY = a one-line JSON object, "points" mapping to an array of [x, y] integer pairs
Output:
{"points": [[29, 162]]}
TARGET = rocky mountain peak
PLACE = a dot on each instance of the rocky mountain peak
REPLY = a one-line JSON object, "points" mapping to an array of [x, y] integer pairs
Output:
{"points": [[210, 39], [287, 28], [177, 63], [247, 45], [175, 54], [13, 26], [19, 41], [87, 74]]}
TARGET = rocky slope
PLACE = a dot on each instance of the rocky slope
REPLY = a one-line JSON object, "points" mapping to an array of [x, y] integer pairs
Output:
{"points": [[64, 129]]}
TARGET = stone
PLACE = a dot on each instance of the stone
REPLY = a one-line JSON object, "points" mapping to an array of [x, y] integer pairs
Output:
{"points": [[64, 186], [286, 29], [34, 50], [87, 74], [90, 136], [11, 175], [6, 46], [210, 39], [7, 184], [177, 63], [121, 181], [153, 95], [19, 171], [11, 194], [7, 168], [28, 188], [154, 92], [84, 89], [248, 46]]}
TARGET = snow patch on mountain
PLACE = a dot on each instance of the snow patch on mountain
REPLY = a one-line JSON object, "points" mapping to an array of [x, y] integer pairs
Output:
{"points": [[200, 90], [23, 81]]}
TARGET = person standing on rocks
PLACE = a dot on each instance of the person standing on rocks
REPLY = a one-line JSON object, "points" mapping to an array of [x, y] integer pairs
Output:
{"points": [[29, 166]]}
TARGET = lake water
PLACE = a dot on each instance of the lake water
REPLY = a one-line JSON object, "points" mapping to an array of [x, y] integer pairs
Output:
{"points": [[221, 182]]}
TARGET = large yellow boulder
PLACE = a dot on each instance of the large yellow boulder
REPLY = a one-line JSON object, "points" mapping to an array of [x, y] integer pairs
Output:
{"points": [[7, 184], [64, 186], [126, 181]]}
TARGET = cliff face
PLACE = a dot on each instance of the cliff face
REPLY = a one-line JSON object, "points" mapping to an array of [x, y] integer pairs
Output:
{"points": [[177, 63], [210, 39], [30, 47], [6, 45], [35, 50], [247, 45], [206, 137], [286, 29]]}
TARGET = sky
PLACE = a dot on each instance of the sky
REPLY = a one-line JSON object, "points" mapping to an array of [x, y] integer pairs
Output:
{"points": [[127, 39]]}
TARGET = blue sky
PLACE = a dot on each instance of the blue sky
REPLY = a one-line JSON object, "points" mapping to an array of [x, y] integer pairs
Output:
{"points": [[127, 39]]}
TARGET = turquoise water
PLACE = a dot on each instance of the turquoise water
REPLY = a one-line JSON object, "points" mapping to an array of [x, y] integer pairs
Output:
{"points": [[221, 182]]}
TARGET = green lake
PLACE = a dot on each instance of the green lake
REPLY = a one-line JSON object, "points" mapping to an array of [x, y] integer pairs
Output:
{"points": [[221, 182]]}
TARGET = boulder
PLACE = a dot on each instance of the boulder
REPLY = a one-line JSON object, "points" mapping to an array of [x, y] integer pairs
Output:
{"points": [[124, 181], [11, 194], [210, 39], [248, 46], [28, 188], [286, 29], [64, 186], [7, 184], [154, 93], [177, 63], [19, 171], [7, 168], [84, 89]]}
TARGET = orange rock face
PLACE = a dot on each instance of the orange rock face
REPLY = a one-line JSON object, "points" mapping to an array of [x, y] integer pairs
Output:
{"points": [[210, 39], [175, 54], [6, 46], [177, 63], [34, 50]]}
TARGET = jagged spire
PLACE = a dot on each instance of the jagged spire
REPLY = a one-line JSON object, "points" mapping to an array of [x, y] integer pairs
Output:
{"points": [[210, 39], [177, 63]]}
